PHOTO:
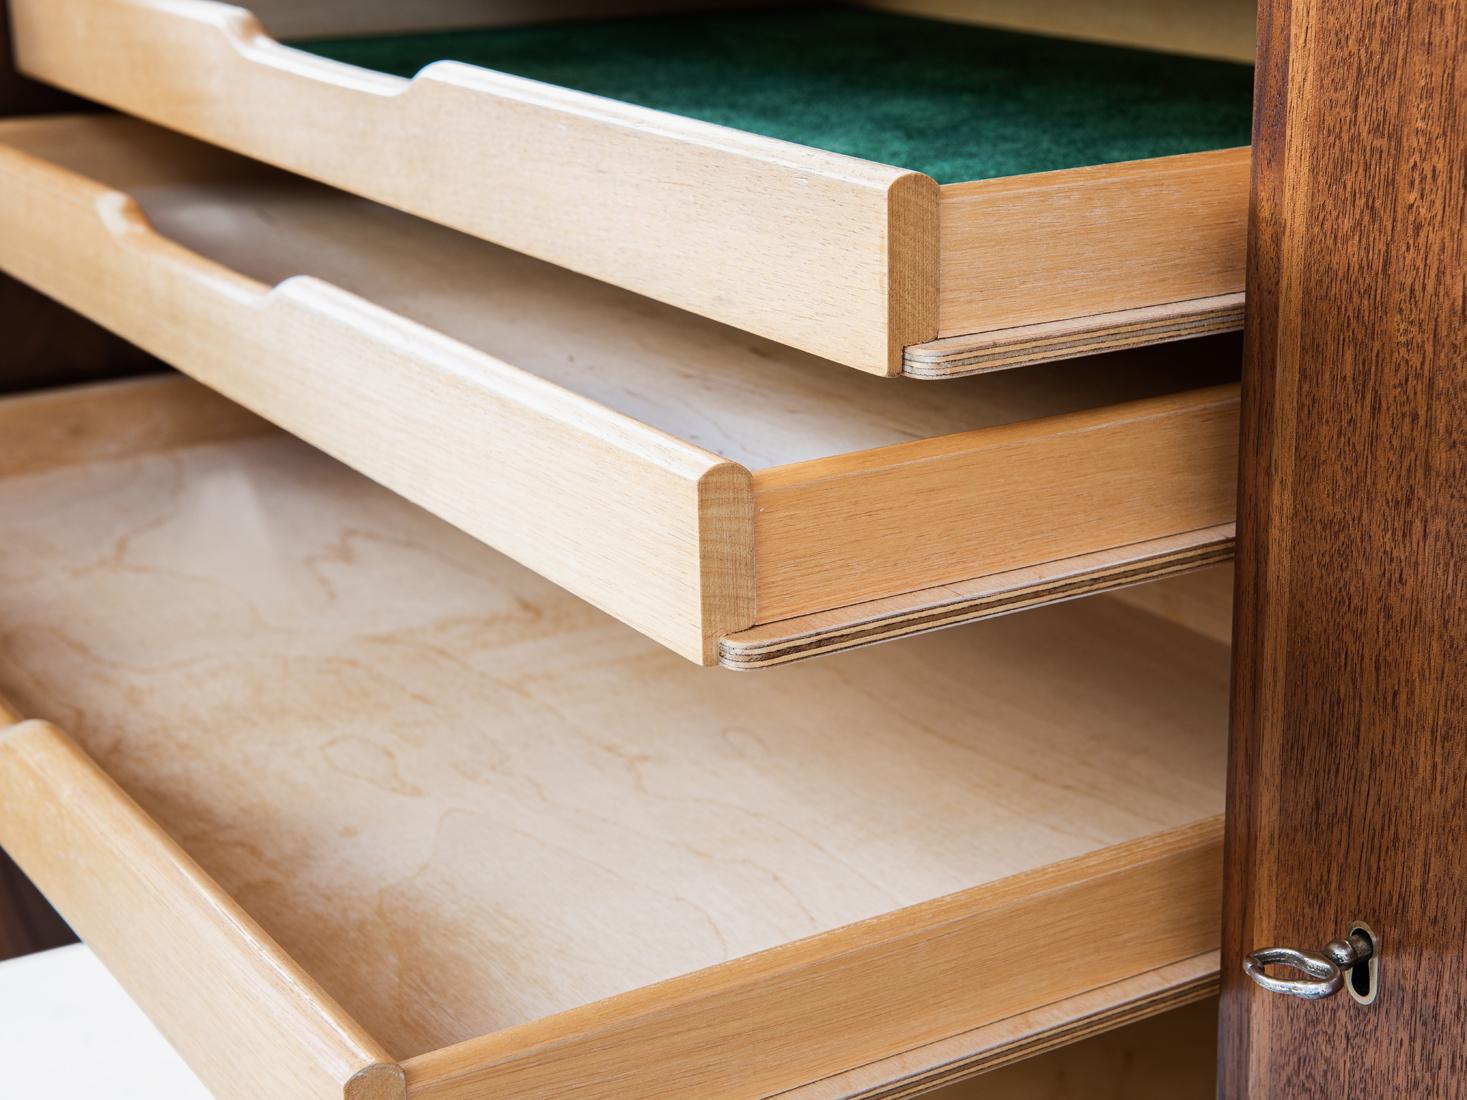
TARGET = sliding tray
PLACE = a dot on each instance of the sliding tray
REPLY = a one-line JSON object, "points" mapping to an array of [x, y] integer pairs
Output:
{"points": [[690, 479], [1071, 196], [351, 803]]}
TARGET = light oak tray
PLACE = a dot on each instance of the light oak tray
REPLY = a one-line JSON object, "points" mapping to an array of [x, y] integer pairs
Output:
{"points": [[692, 480], [845, 258], [354, 806]]}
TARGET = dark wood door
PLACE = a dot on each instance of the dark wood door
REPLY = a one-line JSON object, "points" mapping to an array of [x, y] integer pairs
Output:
{"points": [[1348, 795]]}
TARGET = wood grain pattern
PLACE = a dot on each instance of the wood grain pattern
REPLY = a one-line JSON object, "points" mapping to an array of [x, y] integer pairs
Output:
{"points": [[847, 259], [1094, 1015], [798, 244], [1057, 245], [1005, 349], [602, 439], [652, 529], [1136, 568], [861, 527], [873, 998], [1206, 28], [1351, 648], [546, 833], [137, 898]]}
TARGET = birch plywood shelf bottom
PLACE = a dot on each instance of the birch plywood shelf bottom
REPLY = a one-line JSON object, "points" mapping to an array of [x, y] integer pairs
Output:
{"points": [[690, 479], [348, 800], [780, 175]]}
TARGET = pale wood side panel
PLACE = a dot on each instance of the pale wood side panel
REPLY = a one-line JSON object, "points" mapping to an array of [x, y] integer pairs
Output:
{"points": [[250, 1022], [861, 527], [778, 239], [878, 987], [651, 529], [1091, 240]]}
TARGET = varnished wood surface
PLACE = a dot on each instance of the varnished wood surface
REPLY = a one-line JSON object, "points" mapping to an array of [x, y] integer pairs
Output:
{"points": [[1029, 250], [532, 808], [166, 930], [1348, 770], [838, 256], [749, 400], [692, 480], [820, 251]]}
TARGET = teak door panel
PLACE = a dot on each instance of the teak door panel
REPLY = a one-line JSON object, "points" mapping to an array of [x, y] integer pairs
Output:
{"points": [[1349, 746]]}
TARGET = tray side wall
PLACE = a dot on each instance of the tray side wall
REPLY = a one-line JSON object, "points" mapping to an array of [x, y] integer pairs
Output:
{"points": [[788, 242], [652, 530], [840, 531], [246, 1018], [872, 990], [1091, 240]]}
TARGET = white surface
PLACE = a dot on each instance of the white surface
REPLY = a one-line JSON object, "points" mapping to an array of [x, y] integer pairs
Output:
{"points": [[69, 1032]]}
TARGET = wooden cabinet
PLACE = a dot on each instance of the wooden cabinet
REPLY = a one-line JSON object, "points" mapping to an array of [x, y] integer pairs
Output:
{"points": [[352, 709]]}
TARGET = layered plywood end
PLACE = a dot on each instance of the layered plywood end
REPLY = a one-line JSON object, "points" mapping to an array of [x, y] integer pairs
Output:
{"points": [[908, 615], [1026, 345], [549, 858]]}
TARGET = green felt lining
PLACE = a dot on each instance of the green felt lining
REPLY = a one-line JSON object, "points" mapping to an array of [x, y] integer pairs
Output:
{"points": [[956, 101]]}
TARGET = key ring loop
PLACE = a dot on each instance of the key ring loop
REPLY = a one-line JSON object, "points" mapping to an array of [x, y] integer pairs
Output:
{"points": [[1325, 979]]}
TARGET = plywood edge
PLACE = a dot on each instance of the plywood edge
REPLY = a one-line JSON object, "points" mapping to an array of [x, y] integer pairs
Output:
{"points": [[776, 238], [1077, 242], [248, 1020], [825, 1005], [997, 594], [102, 421], [1028, 345], [582, 494], [1027, 1035]]}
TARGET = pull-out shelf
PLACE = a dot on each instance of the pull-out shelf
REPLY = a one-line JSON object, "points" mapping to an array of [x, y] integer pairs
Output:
{"points": [[690, 479], [1071, 196], [355, 806]]}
